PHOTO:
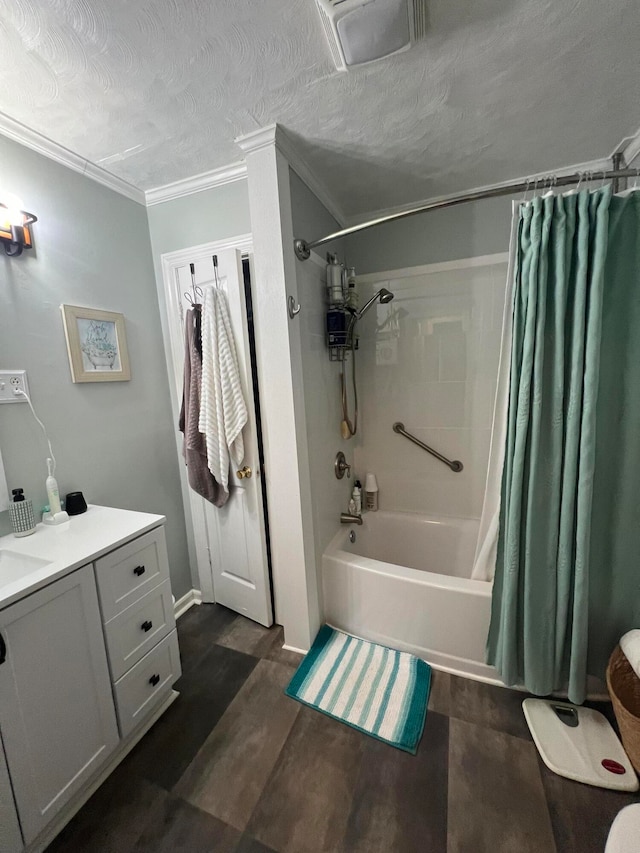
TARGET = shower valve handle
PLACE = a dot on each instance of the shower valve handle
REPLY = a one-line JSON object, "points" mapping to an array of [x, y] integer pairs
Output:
{"points": [[341, 466]]}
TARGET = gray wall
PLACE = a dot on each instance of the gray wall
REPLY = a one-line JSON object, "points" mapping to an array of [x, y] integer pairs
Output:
{"points": [[114, 441], [200, 218], [464, 231], [311, 219]]}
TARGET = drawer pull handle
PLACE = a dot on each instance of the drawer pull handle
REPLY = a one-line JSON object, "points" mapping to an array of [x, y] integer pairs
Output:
{"points": [[3, 649], [154, 680], [139, 570], [147, 626]]}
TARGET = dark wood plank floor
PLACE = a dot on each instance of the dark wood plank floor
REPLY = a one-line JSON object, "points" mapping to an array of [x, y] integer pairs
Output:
{"points": [[234, 766]]}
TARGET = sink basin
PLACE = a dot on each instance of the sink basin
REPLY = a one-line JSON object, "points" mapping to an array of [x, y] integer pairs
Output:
{"points": [[14, 566]]}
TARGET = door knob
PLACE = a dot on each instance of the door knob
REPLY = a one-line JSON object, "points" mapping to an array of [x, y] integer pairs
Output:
{"points": [[244, 472]]}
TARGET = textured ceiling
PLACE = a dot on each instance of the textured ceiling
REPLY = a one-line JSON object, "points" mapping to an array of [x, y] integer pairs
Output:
{"points": [[156, 90]]}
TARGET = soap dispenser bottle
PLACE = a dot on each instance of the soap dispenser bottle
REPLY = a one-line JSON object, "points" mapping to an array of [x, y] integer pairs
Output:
{"points": [[23, 521]]}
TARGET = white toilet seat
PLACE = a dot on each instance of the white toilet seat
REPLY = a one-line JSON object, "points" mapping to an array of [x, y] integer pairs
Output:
{"points": [[624, 835]]}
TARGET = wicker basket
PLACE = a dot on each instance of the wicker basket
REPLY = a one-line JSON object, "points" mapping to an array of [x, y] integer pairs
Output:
{"points": [[624, 689]]}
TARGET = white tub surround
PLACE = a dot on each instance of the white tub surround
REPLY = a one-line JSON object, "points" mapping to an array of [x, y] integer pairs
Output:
{"points": [[429, 359], [484, 564], [405, 582]]}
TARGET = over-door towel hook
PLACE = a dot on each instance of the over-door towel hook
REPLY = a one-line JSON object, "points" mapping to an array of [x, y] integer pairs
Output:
{"points": [[294, 308]]}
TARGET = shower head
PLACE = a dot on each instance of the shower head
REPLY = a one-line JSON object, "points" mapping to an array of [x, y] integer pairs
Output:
{"points": [[383, 295]]}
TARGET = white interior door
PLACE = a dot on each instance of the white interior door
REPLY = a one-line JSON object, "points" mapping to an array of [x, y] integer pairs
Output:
{"points": [[234, 535]]}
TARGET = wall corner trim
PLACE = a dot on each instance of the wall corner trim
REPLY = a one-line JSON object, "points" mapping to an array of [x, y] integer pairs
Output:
{"points": [[182, 604], [197, 183], [275, 134], [294, 649], [264, 137], [19, 132]]}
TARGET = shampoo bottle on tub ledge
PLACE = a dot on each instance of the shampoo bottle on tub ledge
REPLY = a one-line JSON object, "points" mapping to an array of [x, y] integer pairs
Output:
{"points": [[371, 493], [356, 497]]}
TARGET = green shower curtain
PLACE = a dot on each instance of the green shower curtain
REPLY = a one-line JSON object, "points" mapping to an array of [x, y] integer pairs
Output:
{"points": [[567, 575], [614, 588]]}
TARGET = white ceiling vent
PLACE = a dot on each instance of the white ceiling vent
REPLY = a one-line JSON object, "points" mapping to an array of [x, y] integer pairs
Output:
{"points": [[364, 30]]}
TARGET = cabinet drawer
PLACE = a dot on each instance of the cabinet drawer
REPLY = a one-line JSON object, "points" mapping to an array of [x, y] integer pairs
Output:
{"points": [[135, 631], [127, 573], [147, 683]]}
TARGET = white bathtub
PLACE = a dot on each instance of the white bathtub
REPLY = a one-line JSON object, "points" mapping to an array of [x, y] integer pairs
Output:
{"points": [[405, 582]]}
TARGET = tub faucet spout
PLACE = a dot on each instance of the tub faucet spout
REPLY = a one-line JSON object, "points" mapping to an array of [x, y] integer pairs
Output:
{"points": [[350, 518]]}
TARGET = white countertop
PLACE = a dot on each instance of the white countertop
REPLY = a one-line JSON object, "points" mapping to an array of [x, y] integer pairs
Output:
{"points": [[69, 546]]}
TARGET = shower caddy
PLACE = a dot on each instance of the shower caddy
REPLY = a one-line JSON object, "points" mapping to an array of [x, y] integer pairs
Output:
{"points": [[342, 299]]}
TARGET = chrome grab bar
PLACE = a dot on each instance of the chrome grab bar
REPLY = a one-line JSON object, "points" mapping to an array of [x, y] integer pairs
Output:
{"points": [[454, 464]]}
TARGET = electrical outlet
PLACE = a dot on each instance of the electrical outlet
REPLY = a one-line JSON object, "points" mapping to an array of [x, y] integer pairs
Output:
{"points": [[11, 383]]}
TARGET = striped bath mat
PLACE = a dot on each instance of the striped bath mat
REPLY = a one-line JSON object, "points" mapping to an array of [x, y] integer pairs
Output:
{"points": [[376, 690]]}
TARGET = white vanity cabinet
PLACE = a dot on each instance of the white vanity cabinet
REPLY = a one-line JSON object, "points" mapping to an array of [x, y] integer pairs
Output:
{"points": [[10, 837], [56, 709], [88, 658]]}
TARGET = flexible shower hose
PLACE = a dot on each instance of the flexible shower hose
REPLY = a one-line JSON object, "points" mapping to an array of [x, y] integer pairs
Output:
{"points": [[352, 426]]}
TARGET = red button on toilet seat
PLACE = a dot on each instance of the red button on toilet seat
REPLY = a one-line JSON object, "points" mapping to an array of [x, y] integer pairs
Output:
{"points": [[613, 766]]}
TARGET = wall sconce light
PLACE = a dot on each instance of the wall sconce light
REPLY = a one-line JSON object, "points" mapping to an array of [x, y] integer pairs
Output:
{"points": [[15, 232]]}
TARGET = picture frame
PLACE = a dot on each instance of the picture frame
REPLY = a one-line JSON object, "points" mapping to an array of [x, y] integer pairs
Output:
{"points": [[96, 344]]}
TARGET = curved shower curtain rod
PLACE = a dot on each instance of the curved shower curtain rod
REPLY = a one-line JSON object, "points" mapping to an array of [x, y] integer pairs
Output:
{"points": [[303, 248]]}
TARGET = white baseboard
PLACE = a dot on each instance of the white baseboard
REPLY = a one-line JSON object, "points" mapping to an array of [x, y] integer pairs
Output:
{"points": [[194, 596], [294, 649]]}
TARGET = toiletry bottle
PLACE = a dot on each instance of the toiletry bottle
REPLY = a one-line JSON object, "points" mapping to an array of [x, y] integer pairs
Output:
{"points": [[52, 489], [352, 292], [352, 507], [334, 281], [356, 496], [23, 521], [329, 267], [371, 492]]}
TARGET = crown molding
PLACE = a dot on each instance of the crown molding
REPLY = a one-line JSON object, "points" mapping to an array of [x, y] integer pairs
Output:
{"points": [[630, 148], [197, 183], [19, 132], [264, 137], [595, 166], [271, 135], [275, 135]]}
